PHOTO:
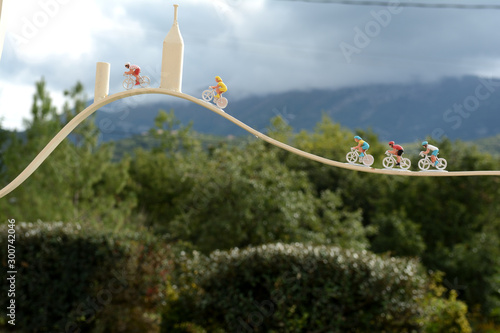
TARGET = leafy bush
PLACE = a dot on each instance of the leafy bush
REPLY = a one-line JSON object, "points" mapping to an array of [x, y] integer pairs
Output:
{"points": [[443, 314], [72, 279], [277, 288]]}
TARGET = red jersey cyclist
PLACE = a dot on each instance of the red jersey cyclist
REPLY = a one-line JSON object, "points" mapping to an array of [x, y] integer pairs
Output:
{"points": [[396, 150], [134, 70]]}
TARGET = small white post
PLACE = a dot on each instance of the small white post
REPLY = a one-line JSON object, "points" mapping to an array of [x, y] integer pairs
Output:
{"points": [[101, 89]]}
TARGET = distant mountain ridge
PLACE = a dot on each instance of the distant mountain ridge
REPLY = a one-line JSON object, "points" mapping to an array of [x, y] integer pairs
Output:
{"points": [[466, 108]]}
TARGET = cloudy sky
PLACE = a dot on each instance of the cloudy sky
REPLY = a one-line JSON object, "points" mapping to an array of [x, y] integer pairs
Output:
{"points": [[256, 46]]}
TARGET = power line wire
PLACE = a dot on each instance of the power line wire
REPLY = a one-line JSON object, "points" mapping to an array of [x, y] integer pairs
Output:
{"points": [[404, 4]]}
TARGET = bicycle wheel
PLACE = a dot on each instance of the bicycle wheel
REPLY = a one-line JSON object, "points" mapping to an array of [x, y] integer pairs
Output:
{"points": [[207, 95], [388, 162], [221, 102], [405, 163], [145, 81], [351, 157], [424, 164], [128, 83], [368, 160], [442, 164]]}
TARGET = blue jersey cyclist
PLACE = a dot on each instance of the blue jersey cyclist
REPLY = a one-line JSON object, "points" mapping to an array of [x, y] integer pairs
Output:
{"points": [[362, 146], [433, 150]]}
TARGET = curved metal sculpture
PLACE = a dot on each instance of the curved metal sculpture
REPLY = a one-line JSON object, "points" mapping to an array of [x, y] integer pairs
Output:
{"points": [[66, 130]]}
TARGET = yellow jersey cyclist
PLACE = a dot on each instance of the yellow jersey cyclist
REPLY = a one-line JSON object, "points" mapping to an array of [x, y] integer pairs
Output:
{"points": [[220, 87]]}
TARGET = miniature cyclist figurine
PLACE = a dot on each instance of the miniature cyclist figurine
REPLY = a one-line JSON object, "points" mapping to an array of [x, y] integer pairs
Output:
{"points": [[396, 150], [134, 70], [434, 152], [220, 87], [362, 146]]}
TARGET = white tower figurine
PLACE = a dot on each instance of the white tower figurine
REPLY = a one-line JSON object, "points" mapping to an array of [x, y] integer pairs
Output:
{"points": [[173, 54], [101, 89]]}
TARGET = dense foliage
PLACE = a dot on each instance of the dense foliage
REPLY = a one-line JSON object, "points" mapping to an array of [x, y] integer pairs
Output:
{"points": [[73, 278], [298, 288]]}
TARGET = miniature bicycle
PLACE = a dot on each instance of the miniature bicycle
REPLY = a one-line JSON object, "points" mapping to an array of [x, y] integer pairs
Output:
{"points": [[426, 162], [129, 82], [208, 94], [353, 156], [390, 161]]}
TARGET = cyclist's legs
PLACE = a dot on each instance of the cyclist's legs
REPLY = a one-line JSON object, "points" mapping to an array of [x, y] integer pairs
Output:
{"points": [[399, 154], [217, 90], [434, 156], [136, 74], [363, 149]]}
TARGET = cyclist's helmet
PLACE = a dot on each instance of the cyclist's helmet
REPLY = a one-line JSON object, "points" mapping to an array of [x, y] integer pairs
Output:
{"points": [[357, 137], [218, 79], [391, 143], [127, 64], [425, 143]]}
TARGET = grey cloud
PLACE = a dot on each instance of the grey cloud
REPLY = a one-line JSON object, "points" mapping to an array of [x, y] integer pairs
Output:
{"points": [[290, 45]]}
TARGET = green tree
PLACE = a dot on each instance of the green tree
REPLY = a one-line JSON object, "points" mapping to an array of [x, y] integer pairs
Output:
{"points": [[397, 234], [164, 173], [99, 186], [77, 181], [340, 226], [43, 191], [4, 141], [239, 199]]}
